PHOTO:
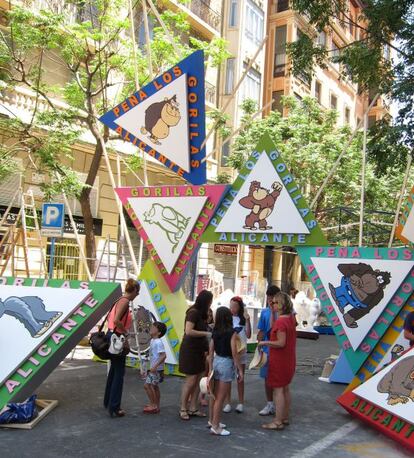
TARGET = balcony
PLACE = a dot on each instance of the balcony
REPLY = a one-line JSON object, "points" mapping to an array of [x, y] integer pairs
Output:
{"points": [[204, 11], [210, 92]]}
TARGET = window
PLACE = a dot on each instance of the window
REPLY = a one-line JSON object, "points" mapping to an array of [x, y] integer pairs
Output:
{"points": [[233, 13], [335, 54], [371, 95], [351, 25], [347, 115], [281, 5], [280, 51], [318, 92], [321, 39], [251, 86], [334, 102], [229, 75], [371, 121], [277, 101], [254, 23], [387, 52]]}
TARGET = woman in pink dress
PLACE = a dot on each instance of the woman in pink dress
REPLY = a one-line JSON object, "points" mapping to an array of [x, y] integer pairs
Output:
{"points": [[282, 359]]}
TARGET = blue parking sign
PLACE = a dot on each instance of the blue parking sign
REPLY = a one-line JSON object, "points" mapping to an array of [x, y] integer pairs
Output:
{"points": [[53, 219]]}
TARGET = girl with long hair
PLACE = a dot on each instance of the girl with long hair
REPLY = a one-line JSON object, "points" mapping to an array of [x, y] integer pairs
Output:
{"points": [[241, 324], [193, 351], [223, 360]]}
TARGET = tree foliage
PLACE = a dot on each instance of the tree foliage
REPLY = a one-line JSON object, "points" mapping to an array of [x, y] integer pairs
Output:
{"points": [[310, 142], [381, 25], [95, 51]]}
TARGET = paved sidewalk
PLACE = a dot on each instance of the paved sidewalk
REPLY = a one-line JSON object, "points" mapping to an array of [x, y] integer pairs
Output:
{"points": [[80, 427]]}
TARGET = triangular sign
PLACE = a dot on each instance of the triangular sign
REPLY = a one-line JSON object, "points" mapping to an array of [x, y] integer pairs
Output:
{"points": [[166, 118], [361, 290], [405, 229], [264, 206], [171, 220], [388, 349], [147, 300], [43, 320], [385, 401]]}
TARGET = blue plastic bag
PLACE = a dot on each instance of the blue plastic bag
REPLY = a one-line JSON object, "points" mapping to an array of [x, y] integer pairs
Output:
{"points": [[19, 412]]}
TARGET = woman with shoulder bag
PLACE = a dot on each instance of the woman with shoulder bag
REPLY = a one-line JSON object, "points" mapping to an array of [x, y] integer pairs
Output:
{"points": [[119, 321]]}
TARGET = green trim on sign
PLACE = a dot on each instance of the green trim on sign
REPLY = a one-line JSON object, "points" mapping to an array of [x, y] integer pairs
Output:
{"points": [[47, 355], [315, 236]]}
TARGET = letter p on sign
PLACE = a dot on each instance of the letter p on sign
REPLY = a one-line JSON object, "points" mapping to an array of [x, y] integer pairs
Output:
{"points": [[53, 217], [52, 214]]}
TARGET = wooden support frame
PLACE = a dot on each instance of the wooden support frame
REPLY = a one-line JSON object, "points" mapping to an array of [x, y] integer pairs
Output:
{"points": [[45, 406]]}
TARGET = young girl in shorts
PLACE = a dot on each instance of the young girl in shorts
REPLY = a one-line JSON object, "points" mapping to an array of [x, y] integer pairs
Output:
{"points": [[223, 360], [241, 324]]}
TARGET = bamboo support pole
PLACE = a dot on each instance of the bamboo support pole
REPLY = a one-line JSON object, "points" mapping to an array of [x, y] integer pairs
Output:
{"points": [[341, 155], [403, 187], [236, 88]]}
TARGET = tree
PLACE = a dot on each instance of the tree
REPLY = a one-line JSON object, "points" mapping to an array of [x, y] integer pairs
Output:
{"points": [[309, 142], [97, 52], [382, 25]]}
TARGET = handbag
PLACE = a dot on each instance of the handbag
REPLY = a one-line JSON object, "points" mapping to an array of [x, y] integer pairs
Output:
{"points": [[99, 340], [118, 343]]}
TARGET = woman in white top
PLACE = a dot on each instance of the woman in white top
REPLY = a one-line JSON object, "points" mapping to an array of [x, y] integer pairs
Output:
{"points": [[241, 323]]}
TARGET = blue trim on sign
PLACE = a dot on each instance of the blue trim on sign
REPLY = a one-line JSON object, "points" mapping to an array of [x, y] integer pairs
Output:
{"points": [[193, 66]]}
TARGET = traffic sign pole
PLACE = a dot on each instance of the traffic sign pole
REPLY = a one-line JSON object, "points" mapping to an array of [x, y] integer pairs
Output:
{"points": [[52, 256]]}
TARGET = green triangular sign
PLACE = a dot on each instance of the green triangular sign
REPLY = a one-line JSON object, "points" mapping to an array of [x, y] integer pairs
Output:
{"points": [[264, 206]]}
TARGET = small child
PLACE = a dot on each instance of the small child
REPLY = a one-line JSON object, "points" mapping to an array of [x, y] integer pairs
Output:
{"points": [[155, 375], [224, 360]]}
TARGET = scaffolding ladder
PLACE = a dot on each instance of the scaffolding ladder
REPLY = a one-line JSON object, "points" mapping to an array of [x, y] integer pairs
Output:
{"points": [[16, 237]]}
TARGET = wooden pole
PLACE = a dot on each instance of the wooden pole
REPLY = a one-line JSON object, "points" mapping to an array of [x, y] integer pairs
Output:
{"points": [[338, 160], [166, 31], [234, 133], [364, 162], [78, 240], [404, 185], [252, 61]]}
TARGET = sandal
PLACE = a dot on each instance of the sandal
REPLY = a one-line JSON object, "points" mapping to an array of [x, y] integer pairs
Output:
{"points": [[184, 415], [286, 422], [117, 413], [197, 413], [223, 432], [150, 409], [274, 426], [209, 425]]}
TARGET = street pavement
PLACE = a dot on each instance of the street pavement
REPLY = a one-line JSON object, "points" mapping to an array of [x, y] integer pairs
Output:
{"points": [[80, 427]]}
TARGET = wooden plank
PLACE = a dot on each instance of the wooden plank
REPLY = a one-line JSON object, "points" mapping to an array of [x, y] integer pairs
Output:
{"points": [[44, 406]]}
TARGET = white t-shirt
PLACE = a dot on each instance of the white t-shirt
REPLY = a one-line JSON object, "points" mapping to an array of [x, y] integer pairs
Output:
{"points": [[242, 333], [156, 347]]}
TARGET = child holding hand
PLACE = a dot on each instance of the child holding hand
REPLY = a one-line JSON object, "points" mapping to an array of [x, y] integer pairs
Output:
{"points": [[155, 374]]}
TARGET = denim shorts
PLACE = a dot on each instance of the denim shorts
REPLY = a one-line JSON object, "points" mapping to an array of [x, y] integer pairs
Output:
{"points": [[223, 369], [154, 379]]}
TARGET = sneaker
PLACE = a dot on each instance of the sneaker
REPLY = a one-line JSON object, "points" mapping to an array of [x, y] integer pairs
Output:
{"points": [[268, 409], [227, 408], [239, 408]]}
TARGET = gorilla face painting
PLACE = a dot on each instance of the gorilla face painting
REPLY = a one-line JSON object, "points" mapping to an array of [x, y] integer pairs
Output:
{"points": [[361, 289], [398, 383], [160, 117], [260, 201], [31, 312]]}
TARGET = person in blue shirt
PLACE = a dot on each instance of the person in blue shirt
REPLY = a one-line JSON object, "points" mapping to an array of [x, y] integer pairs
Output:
{"points": [[267, 317]]}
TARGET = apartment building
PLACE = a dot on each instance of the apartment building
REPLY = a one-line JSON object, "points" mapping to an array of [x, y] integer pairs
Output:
{"points": [[284, 26]]}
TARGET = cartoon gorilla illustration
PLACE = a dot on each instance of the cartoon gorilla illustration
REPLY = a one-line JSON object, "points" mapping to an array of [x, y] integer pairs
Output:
{"points": [[398, 383], [169, 220], [362, 288], [159, 117], [143, 320], [31, 312], [261, 203]]}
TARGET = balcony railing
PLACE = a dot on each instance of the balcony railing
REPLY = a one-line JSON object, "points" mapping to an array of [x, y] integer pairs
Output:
{"points": [[210, 93], [204, 11]]}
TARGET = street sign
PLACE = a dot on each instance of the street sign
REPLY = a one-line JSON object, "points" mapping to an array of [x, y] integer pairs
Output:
{"points": [[53, 219]]}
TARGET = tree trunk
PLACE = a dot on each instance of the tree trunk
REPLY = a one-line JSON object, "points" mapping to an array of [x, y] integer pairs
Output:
{"points": [[84, 201]]}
